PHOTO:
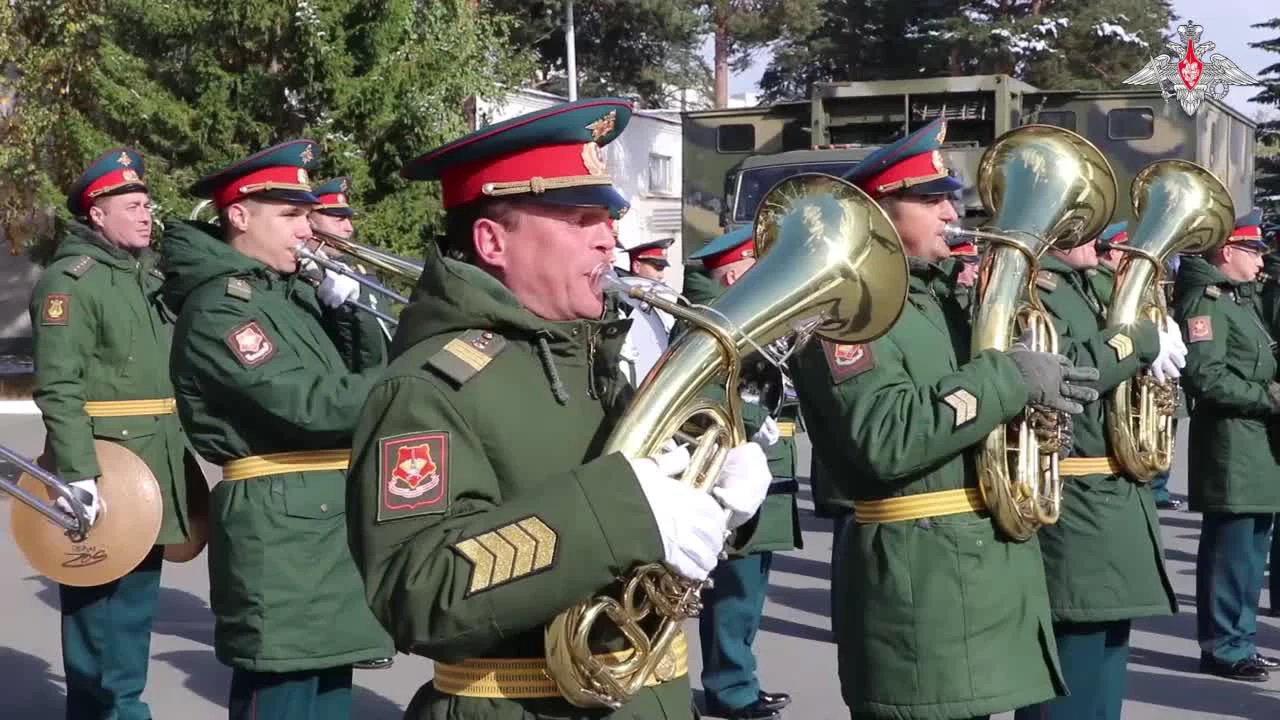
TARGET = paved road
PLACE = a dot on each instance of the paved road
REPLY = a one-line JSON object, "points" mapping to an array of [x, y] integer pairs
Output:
{"points": [[794, 647]]}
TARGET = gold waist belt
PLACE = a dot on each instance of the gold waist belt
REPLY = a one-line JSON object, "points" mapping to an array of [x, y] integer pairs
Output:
{"points": [[129, 408], [516, 678], [786, 428], [1078, 466], [922, 505], [256, 466]]}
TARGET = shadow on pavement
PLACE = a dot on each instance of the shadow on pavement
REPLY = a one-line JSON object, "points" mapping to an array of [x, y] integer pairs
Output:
{"points": [[795, 629], [1185, 521], [31, 687], [211, 680], [810, 600], [178, 613], [783, 562], [1215, 697]]}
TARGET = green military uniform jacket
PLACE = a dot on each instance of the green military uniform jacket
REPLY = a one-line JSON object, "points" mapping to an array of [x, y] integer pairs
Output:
{"points": [[261, 367], [1231, 360], [101, 333], [1102, 280], [777, 525], [931, 605], [485, 436], [1268, 289], [1103, 558]]}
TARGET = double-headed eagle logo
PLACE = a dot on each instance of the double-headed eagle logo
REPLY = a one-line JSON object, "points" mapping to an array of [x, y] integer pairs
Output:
{"points": [[1181, 73]]}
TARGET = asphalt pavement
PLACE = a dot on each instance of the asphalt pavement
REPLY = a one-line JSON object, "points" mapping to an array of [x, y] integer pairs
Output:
{"points": [[794, 647]]}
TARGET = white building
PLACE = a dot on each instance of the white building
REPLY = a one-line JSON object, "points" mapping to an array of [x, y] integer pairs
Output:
{"points": [[645, 165]]}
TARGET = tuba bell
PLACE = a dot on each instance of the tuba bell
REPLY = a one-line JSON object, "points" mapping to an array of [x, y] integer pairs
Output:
{"points": [[1180, 208], [67, 549], [830, 263], [1043, 187]]}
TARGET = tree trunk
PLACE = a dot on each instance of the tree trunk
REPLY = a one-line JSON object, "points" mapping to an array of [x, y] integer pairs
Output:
{"points": [[722, 58]]}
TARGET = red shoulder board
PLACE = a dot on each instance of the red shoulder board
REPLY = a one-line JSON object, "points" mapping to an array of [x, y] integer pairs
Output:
{"points": [[250, 344], [413, 475], [846, 361]]}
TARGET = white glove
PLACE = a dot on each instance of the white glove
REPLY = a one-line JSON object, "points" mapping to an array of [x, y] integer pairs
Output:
{"points": [[768, 434], [743, 483], [337, 288], [690, 522], [1173, 353], [86, 491]]}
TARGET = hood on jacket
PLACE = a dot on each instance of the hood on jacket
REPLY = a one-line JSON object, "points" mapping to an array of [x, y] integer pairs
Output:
{"points": [[1194, 274], [193, 254], [79, 239]]}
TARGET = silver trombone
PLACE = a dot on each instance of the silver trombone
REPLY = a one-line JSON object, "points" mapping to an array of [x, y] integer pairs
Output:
{"points": [[320, 259], [77, 527]]}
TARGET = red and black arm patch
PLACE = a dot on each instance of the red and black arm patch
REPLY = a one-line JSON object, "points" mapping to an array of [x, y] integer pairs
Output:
{"points": [[1199, 328], [251, 345], [846, 361], [56, 309], [413, 475]]}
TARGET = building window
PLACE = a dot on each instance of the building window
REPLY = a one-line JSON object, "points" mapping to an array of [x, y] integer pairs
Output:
{"points": [[1065, 119], [660, 173]]}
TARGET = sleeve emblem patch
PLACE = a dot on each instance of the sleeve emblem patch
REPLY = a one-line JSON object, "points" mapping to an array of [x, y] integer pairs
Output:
{"points": [[964, 404], [250, 344], [846, 361], [413, 475], [518, 550], [57, 308], [1200, 328]]}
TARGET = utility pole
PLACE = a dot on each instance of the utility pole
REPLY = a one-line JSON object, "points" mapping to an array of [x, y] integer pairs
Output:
{"points": [[569, 47]]}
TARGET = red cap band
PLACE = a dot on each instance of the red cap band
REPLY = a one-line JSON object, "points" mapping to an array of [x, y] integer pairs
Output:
{"points": [[1119, 238], [1247, 232], [465, 183], [743, 250], [914, 170], [283, 177], [106, 183], [965, 248], [654, 252], [330, 200]]}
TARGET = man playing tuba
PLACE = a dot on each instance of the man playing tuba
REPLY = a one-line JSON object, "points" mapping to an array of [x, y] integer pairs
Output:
{"points": [[1103, 558], [931, 596], [480, 507]]}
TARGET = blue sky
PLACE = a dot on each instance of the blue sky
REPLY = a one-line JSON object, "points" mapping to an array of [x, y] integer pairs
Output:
{"points": [[1226, 22]]}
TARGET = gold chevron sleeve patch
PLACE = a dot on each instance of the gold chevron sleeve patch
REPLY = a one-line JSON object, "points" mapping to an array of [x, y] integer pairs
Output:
{"points": [[512, 552], [1122, 344], [964, 404]]}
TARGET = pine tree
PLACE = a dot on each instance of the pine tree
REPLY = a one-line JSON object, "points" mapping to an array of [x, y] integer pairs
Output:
{"points": [[196, 84], [1267, 160], [738, 27], [1049, 43]]}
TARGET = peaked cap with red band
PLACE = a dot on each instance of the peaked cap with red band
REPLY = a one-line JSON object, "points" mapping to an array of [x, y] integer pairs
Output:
{"points": [[1113, 234], [1248, 231], [654, 251], [727, 248], [334, 198], [913, 165], [554, 155], [277, 173], [114, 172]]}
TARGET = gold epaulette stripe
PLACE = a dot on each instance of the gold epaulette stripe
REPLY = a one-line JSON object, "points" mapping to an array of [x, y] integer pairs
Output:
{"points": [[1079, 466]]}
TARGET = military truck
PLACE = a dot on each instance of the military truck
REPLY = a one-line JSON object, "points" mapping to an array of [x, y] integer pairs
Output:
{"points": [[733, 156]]}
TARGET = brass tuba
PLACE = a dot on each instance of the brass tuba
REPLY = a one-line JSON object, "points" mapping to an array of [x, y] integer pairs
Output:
{"points": [[1180, 208], [1043, 187], [829, 263]]}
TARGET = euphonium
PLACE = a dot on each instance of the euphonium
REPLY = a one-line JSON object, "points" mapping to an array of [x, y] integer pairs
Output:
{"points": [[829, 262], [1180, 208], [1043, 187]]}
